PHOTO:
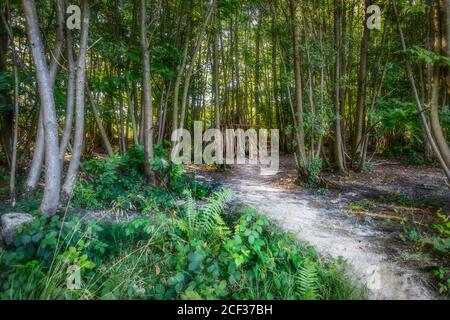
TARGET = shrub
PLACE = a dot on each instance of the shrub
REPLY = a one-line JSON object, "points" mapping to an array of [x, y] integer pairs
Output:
{"points": [[310, 171], [118, 182]]}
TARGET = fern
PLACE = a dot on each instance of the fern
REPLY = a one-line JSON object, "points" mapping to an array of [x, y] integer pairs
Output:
{"points": [[191, 209], [210, 217], [307, 281]]}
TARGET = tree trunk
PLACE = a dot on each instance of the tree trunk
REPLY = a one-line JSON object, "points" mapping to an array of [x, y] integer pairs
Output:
{"points": [[179, 79], [338, 139], [258, 69], [147, 99], [362, 84], [70, 99], [6, 115], [12, 182], [51, 196], [132, 116], [298, 84], [435, 123], [39, 148], [77, 147], [215, 69], [98, 121]]}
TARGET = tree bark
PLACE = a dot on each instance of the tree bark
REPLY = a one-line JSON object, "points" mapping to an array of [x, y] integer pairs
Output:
{"points": [[38, 155], [215, 69], [7, 114], [298, 84], [70, 99], [77, 147], [435, 123], [98, 121], [51, 196], [362, 84], [338, 139], [12, 182], [147, 99], [178, 80]]}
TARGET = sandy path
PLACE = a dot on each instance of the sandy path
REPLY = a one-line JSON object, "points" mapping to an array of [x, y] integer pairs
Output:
{"points": [[319, 221]]}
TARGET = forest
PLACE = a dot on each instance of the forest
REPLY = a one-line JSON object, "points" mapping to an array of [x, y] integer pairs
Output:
{"points": [[355, 95]]}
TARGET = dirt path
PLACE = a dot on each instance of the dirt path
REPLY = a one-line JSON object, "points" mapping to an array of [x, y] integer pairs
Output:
{"points": [[375, 258]]}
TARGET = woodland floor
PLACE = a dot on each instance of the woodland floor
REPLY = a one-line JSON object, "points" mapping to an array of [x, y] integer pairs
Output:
{"points": [[356, 218]]}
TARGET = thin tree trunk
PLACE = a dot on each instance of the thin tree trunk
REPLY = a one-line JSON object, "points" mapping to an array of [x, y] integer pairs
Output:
{"points": [[12, 182], [147, 99], [98, 121], [338, 140], [447, 34], [38, 155], [298, 83], [362, 84], [258, 68], [77, 147], [178, 80], [7, 115], [52, 189], [133, 117], [122, 139], [215, 69], [162, 128], [70, 99]]}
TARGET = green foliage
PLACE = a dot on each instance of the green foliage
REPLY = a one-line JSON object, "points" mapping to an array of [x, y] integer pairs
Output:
{"points": [[435, 236], [306, 281], [118, 182], [311, 170], [398, 129], [428, 57], [442, 276], [162, 257]]}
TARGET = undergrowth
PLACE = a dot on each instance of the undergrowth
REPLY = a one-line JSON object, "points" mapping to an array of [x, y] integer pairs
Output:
{"points": [[177, 248], [434, 238], [199, 254]]}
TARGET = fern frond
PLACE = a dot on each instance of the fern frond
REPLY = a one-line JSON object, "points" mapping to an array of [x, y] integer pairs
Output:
{"points": [[211, 213], [191, 209], [307, 281]]}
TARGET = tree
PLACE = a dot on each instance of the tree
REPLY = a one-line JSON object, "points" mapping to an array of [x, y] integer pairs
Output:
{"points": [[51, 196], [38, 155], [147, 104], [298, 84], [360, 123], [339, 154], [79, 101]]}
